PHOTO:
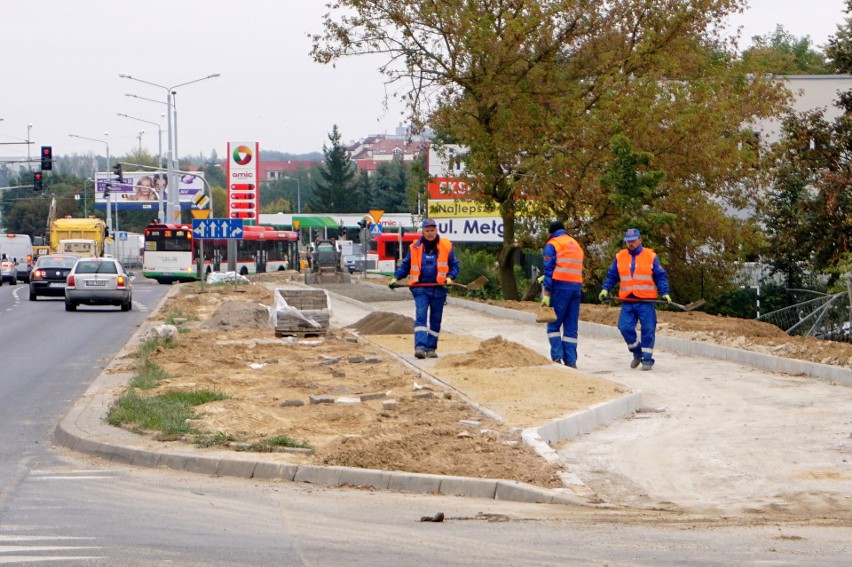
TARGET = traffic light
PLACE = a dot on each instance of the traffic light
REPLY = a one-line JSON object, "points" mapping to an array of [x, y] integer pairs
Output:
{"points": [[38, 180], [106, 190], [117, 169], [46, 158]]}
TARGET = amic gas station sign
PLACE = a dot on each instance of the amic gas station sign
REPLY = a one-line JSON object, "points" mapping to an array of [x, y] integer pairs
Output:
{"points": [[243, 181]]}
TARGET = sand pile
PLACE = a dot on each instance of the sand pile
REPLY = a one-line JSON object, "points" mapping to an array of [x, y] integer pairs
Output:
{"points": [[239, 314], [495, 353], [381, 323]]}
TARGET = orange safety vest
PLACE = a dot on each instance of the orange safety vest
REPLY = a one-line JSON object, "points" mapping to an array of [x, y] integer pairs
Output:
{"points": [[569, 259], [444, 249], [641, 283]]}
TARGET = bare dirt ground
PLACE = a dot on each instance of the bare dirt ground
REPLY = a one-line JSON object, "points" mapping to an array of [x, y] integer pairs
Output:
{"points": [[744, 334], [227, 344]]}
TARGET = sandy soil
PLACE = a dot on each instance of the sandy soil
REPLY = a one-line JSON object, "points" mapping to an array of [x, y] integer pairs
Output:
{"points": [[227, 344], [744, 334]]}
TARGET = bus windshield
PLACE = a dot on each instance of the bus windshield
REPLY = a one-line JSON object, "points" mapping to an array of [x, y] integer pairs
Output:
{"points": [[168, 240]]}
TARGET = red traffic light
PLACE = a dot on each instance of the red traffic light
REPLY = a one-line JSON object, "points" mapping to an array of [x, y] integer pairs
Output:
{"points": [[46, 158], [38, 181]]}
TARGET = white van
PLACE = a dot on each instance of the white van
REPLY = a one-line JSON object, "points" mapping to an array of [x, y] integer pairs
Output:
{"points": [[19, 249]]}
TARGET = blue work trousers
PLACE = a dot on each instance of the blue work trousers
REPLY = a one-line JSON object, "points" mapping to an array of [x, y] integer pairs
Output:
{"points": [[563, 343], [429, 308], [646, 315]]}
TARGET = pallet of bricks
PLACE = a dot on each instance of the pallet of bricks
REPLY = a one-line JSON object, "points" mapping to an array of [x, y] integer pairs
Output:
{"points": [[301, 312]]}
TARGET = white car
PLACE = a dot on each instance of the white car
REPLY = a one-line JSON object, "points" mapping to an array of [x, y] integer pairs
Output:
{"points": [[98, 281], [8, 272]]}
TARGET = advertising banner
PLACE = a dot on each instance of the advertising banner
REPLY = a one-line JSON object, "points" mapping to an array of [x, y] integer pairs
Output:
{"points": [[447, 188], [477, 229], [443, 208], [141, 189]]}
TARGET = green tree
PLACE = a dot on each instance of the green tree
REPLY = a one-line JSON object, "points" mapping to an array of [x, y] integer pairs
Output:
{"points": [[535, 89], [781, 53], [388, 188], [809, 212], [839, 50], [334, 191], [632, 185]]}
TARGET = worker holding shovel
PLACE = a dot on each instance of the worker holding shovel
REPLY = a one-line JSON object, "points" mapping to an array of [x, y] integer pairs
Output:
{"points": [[430, 266], [562, 284], [640, 277]]}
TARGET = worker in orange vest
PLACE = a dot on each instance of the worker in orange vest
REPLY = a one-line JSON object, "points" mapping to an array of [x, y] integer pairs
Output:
{"points": [[562, 285], [430, 266], [641, 280]]}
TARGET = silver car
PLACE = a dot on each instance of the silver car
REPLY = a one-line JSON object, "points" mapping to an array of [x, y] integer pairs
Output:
{"points": [[8, 271], [98, 281]]}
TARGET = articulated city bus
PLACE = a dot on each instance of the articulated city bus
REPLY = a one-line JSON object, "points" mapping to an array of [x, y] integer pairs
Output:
{"points": [[171, 253]]}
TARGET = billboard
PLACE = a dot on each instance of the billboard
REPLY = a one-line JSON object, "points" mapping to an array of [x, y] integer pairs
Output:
{"points": [[141, 189]]}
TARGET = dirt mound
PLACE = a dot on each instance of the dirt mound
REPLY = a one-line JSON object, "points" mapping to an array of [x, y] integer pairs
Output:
{"points": [[381, 323], [495, 353], [233, 314]]}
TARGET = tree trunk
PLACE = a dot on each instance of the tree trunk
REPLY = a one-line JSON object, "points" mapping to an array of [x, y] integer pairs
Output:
{"points": [[506, 267]]}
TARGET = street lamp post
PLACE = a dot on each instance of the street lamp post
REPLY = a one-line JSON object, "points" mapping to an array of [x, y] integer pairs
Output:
{"points": [[298, 193], [109, 175], [159, 136], [173, 209]]}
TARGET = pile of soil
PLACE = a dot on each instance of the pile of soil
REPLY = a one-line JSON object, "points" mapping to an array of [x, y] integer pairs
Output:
{"points": [[232, 314], [495, 353], [382, 323]]}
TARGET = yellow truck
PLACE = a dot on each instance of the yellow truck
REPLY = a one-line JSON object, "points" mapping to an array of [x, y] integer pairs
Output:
{"points": [[83, 236]]}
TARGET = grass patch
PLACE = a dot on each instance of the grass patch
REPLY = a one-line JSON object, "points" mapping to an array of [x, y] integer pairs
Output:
{"points": [[166, 413], [206, 440], [149, 374], [270, 444], [177, 313]]}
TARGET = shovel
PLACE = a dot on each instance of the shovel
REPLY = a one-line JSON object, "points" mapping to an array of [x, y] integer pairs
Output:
{"points": [[472, 286], [687, 307]]}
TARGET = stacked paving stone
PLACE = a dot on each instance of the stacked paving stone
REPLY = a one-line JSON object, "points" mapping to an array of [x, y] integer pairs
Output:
{"points": [[297, 308]]}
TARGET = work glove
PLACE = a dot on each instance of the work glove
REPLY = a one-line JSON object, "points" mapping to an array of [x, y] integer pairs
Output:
{"points": [[545, 300], [392, 283], [450, 281], [540, 279], [603, 295], [667, 298]]}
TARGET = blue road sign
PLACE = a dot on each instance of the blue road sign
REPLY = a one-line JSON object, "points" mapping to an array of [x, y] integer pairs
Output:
{"points": [[217, 228], [375, 229]]}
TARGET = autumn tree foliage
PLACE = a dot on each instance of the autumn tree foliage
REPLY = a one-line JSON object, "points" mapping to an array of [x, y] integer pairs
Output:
{"points": [[536, 90]]}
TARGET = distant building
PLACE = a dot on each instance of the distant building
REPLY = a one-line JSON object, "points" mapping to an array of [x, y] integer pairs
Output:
{"points": [[372, 151], [271, 170], [811, 92]]}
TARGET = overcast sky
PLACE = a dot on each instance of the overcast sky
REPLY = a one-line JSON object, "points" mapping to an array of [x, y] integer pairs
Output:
{"points": [[62, 60]]}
